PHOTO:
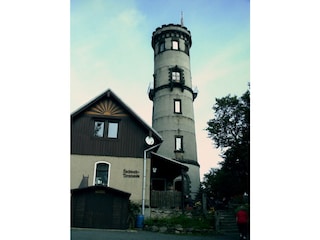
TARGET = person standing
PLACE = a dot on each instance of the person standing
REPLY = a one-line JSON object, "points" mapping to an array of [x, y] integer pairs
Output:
{"points": [[242, 222]]}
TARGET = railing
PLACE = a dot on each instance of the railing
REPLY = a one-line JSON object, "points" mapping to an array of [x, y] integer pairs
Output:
{"points": [[165, 199]]}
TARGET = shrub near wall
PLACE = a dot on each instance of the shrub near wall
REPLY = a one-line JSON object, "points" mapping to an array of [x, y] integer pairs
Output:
{"points": [[181, 224], [134, 210]]}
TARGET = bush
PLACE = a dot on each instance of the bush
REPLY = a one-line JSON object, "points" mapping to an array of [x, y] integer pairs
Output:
{"points": [[133, 211], [199, 222]]}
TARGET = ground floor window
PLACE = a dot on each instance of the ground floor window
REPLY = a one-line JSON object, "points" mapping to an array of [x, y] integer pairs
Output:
{"points": [[101, 173]]}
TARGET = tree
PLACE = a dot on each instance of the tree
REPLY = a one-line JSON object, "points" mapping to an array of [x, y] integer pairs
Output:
{"points": [[230, 131], [231, 125]]}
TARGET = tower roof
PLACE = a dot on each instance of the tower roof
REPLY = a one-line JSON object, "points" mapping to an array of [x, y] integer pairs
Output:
{"points": [[169, 30]]}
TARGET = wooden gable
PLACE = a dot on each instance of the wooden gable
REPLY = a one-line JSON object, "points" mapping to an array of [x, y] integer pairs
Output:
{"points": [[107, 107], [132, 131]]}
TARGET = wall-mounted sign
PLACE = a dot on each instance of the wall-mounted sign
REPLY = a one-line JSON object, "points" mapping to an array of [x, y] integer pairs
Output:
{"points": [[131, 173]]}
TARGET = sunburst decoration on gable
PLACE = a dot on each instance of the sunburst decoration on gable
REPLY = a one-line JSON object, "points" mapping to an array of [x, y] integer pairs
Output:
{"points": [[106, 108]]}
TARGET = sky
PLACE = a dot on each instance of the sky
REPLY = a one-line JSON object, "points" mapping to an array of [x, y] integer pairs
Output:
{"points": [[110, 48]]}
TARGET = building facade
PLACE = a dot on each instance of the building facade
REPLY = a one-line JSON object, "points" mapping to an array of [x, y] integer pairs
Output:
{"points": [[112, 146], [173, 95], [107, 147]]}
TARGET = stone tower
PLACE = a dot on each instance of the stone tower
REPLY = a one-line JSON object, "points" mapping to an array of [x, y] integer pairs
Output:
{"points": [[173, 95]]}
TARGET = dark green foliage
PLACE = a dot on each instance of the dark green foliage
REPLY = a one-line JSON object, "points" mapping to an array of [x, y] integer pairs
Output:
{"points": [[133, 211], [231, 125], [230, 131], [200, 222]]}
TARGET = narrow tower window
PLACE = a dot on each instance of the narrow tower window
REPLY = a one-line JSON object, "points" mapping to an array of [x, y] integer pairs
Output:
{"points": [[178, 143], [186, 48], [161, 47], [175, 45], [177, 106]]}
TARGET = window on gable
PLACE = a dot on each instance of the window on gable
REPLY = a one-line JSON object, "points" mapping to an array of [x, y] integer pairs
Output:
{"points": [[178, 143], [177, 106], [101, 173], [113, 130], [106, 129], [98, 128], [175, 76], [175, 45]]}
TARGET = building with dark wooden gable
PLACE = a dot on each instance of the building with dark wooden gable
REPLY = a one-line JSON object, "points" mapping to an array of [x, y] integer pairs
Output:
{"points": [[110, 147]]}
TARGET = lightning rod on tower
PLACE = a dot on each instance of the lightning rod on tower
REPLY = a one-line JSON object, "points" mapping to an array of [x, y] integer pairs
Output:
{"points": [[181, 18]]}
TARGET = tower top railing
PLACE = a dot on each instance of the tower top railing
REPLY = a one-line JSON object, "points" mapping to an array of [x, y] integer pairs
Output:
{"points": [[171, 25], [169, 30]]}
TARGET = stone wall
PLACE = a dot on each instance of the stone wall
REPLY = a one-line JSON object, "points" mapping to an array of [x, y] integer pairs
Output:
{"points": [[164, 213]]}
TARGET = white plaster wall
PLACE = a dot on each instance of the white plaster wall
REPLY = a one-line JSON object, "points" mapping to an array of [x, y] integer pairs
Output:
{"points": [[164, 120], [169, 124], [85, 165], [194, 174]]}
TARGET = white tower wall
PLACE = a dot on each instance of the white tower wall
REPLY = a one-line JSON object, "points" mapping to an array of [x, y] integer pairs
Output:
{"points": [[170, 121]]}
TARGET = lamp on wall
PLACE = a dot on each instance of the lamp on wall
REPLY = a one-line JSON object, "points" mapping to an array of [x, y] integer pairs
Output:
{"points": [[154, 170]]}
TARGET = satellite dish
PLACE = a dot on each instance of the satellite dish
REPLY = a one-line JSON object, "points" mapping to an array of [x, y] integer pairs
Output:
{"points": [[149, 140]]}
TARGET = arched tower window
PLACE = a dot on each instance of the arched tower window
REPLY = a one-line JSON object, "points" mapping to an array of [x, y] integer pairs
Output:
{"points": [[101, 173]]}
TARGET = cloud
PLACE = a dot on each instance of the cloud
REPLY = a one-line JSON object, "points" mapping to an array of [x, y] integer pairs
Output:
{"points": [[223, 62], [217, 72], [130, 18], [109, 53]]}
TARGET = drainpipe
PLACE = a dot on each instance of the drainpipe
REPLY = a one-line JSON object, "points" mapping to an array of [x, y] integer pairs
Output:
{"points": [[144, 175]]}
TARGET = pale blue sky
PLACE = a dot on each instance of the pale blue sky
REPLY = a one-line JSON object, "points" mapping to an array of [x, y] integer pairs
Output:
{"points": [[111, 48]]}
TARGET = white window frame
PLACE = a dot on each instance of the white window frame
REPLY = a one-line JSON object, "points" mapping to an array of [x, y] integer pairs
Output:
{"points": [[95, 172], [177, 106], [109, 129], [178, 143], [110, 133], [176, 76], [101, 130], [175, 44]]}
